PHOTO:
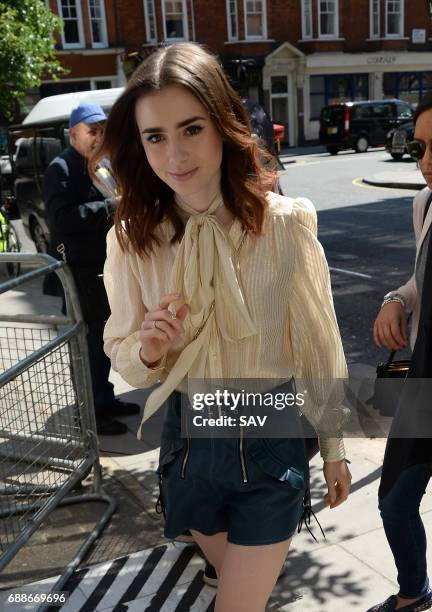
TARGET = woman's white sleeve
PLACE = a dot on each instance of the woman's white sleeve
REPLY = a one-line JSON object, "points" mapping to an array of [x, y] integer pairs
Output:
{"points": [[121, 334], [320, 365]]}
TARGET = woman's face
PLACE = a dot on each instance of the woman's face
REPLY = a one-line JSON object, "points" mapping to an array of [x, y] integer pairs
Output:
{"points": [[182, 144], [423, 131]]}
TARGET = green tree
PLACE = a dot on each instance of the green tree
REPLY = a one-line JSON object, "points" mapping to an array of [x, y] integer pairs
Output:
{"points": [[27, 51]]}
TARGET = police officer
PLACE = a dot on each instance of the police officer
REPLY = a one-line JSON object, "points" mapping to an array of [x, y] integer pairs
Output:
{"points": [[79, 218]]}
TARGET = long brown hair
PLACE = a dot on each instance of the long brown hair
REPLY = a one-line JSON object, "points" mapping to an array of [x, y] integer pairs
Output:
{"points": [[145, 199]]}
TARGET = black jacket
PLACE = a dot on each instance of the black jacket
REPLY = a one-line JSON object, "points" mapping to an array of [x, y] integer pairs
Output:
{"points": [[78, 216], [79, 219]]}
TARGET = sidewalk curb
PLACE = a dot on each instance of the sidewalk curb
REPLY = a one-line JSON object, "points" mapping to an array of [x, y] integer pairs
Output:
{"points": [[392, 184]]}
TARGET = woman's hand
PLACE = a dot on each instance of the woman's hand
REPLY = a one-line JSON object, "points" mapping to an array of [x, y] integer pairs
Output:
{"points": [[338, 479], [160, 330], [390, 328]]}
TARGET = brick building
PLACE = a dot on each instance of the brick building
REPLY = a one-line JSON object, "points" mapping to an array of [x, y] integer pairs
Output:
{"points": [[293, 56]]}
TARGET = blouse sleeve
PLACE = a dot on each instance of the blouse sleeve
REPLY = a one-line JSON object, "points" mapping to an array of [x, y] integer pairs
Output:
{"points": [[319, 360], [121, 334]]}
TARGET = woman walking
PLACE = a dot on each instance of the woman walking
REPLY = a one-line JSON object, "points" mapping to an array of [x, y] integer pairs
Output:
{"points": [[210, 275], [407, 462]]}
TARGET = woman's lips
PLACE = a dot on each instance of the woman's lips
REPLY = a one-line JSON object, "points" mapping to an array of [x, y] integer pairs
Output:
{"points": [[184, 176]]}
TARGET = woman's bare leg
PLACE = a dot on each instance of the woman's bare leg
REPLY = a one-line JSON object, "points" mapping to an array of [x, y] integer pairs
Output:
{"points": [[213, 547], [248, 576]]}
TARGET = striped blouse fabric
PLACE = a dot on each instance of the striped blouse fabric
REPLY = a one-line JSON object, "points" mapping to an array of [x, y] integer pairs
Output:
{"points": [[286, 285]]}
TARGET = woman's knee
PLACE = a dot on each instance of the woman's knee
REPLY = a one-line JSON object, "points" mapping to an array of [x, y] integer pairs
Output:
{"points": [[397, 509]]}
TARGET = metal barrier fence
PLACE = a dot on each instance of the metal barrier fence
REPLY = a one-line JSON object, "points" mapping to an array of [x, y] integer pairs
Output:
{"points": [[48, 440]]}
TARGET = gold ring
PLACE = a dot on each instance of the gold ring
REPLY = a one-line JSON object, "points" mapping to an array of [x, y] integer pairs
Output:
{"points": [[155, 326], [172, 315]]}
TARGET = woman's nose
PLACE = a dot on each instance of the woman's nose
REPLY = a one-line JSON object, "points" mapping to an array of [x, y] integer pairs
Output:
{"points": [[177, 151]]}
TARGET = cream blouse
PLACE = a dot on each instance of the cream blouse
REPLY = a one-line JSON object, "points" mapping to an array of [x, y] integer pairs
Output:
{"points": [[286, 286]]}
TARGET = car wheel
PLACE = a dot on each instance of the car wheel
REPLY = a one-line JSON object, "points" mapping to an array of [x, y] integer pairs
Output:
{"points": [[397, 156], [362, 144], [39, 238]]}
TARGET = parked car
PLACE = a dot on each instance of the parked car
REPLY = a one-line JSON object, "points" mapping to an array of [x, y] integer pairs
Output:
{"points": [[397, 140], [43, 135], [359, 125]]}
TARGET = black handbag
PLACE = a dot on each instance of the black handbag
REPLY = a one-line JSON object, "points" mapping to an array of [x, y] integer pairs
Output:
{"points": [[388, 384]]}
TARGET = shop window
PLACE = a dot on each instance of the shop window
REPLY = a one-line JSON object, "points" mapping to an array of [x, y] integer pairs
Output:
{"points": [[175, 20], [328, 18], [255, 19], [150, 20], [407, 86], [394, 18], [70, 12], [331, 89], [232, 19], [97, 22]]}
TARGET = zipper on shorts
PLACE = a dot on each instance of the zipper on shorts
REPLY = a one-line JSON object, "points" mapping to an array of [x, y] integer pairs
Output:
{"points": [[245, 478], [186, 454]]}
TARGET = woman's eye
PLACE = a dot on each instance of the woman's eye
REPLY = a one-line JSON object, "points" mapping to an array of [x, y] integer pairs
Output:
{"points": [[192, 130], [154, 138]]}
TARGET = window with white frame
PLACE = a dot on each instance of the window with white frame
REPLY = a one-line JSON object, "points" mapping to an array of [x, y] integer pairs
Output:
{"points": [[175, 19], [307, 18], [375, 8], [150, 20], [98, 23], [232, 18], [328, 18], [70, 12], [394, 17], [255, 12]]}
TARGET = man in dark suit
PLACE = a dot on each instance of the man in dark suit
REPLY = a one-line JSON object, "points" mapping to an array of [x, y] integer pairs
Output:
{"points": [[79, 218]]}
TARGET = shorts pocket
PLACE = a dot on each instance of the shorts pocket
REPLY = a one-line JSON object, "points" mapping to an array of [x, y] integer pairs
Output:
{"points": [[262, 452]]}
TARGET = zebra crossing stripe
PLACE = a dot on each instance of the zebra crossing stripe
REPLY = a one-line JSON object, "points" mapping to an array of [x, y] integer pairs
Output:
{"points": [[104, 584], [171, 580], [191, 594], [141, 578]]}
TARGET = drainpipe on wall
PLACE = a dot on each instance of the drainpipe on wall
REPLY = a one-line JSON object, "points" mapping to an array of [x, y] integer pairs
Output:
{"points": [[193, 20]]}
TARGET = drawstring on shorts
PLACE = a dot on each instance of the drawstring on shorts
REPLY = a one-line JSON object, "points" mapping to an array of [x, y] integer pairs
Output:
{"points": [[160, 504]]}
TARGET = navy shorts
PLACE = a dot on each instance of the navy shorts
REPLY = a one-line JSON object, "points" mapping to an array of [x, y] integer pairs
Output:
{"points": [[252, 490]]}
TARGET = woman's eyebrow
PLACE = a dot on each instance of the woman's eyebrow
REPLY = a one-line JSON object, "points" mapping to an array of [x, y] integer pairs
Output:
{"points": [[179, 125]]}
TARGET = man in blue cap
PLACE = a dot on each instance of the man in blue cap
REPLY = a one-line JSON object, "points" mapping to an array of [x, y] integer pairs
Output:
{"points": [[79, 218]]}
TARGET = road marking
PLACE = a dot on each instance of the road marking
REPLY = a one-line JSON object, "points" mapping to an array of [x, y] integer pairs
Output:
{"points": [[165, 578], [358, 182], [351, 273]]}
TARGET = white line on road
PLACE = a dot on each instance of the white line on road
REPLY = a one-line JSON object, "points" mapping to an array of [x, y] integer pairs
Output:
{"points": [[350, 273]]}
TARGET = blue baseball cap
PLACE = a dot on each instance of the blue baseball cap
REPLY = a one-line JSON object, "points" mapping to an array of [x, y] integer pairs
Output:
{"points": [[87, 112]]}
